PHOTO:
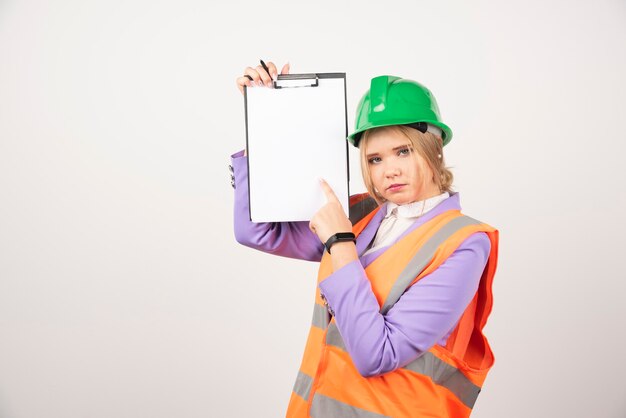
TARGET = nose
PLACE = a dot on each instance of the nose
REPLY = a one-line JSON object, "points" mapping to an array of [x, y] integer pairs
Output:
{"points": [[391, 170]]}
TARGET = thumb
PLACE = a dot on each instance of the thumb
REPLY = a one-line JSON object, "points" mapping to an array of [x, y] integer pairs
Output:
{"points": [[285, 69]]}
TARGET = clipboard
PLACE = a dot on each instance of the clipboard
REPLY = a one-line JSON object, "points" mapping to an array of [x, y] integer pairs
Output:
{"points": [[295, 134]]}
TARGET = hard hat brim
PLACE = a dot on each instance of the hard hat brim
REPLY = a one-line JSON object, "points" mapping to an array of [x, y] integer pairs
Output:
{"points": [[355, 137]]}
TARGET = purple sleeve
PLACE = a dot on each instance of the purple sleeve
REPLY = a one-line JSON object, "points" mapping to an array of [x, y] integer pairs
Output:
{"points": [[425, 314], [288, 239]]}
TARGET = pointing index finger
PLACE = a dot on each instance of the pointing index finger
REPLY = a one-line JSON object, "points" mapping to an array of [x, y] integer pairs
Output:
{"points": [[328, 191]]}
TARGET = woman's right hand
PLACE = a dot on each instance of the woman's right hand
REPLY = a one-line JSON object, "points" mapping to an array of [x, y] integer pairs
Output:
{"points": [[259, 76]]}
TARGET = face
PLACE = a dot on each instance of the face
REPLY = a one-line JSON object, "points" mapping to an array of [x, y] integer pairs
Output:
{"points": [[398, 173]]}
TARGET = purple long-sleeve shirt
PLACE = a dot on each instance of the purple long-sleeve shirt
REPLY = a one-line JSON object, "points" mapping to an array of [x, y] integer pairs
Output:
{"points": [[426, 313]]}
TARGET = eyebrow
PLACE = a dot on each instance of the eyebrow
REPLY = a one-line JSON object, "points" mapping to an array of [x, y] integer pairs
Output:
{"points": [[394, 149]]}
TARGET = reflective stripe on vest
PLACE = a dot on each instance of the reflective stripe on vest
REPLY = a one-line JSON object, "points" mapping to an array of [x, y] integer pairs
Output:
{"points": [[429, 365], [447, 376], [303, 385], [333, 337], [321, 317], [325, 407]]}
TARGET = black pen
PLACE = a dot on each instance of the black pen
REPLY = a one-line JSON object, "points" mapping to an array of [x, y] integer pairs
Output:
{"points": [[266, 69]]}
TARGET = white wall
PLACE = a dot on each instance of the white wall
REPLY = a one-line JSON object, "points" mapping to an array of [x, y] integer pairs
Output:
{"points": [[122, 290]]}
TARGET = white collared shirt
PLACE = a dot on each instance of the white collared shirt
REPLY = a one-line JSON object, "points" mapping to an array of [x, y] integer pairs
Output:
{"points": [[400, 217]]}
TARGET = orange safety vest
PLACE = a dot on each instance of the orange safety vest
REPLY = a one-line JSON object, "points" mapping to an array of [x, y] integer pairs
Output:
{"points": [[444, 381]]}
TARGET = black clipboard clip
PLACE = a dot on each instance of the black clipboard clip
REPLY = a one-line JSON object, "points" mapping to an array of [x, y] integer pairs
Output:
{"points": [[296, 80]]}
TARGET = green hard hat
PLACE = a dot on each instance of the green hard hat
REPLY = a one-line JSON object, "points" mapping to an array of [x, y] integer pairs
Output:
{"points": [[397, 101]]}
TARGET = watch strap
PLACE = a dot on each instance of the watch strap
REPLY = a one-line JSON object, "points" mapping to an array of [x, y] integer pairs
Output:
{"points": [[339, 237]]}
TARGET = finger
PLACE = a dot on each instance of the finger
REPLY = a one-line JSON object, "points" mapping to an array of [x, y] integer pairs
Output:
{"points": [[328, 191], [255, 76], [312, 226], [244, 81], [267, 80], [273, 70], [285, 69]]}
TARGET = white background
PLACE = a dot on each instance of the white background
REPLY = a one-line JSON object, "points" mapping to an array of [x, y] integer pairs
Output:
{"points": [[122, 290]]}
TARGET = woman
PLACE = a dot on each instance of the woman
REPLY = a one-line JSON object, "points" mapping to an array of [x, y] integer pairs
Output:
{"points": [[399, 311]]}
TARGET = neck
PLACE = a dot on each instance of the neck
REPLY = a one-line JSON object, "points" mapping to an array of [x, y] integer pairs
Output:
{"points": [[432, 191], [424, 196]]}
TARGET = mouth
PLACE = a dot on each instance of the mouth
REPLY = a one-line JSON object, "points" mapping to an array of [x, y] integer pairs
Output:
{"points": [[395, 187]]}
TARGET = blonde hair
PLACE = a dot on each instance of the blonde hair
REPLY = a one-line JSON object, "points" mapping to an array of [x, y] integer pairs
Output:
{"points": [[428, 145]]}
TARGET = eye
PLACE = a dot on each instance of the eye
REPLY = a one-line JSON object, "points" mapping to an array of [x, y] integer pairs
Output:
{"points": [[404, 151], [374, 160]]}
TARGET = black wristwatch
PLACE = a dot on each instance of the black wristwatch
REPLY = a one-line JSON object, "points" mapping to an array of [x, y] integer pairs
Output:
{"points": [[339, 237]]}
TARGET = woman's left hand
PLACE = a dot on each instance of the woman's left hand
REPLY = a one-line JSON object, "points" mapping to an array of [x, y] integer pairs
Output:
{"points": [[331, 217]]}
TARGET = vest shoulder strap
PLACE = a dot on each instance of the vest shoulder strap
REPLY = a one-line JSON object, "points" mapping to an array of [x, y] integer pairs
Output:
{"points": [[423, 257]]}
